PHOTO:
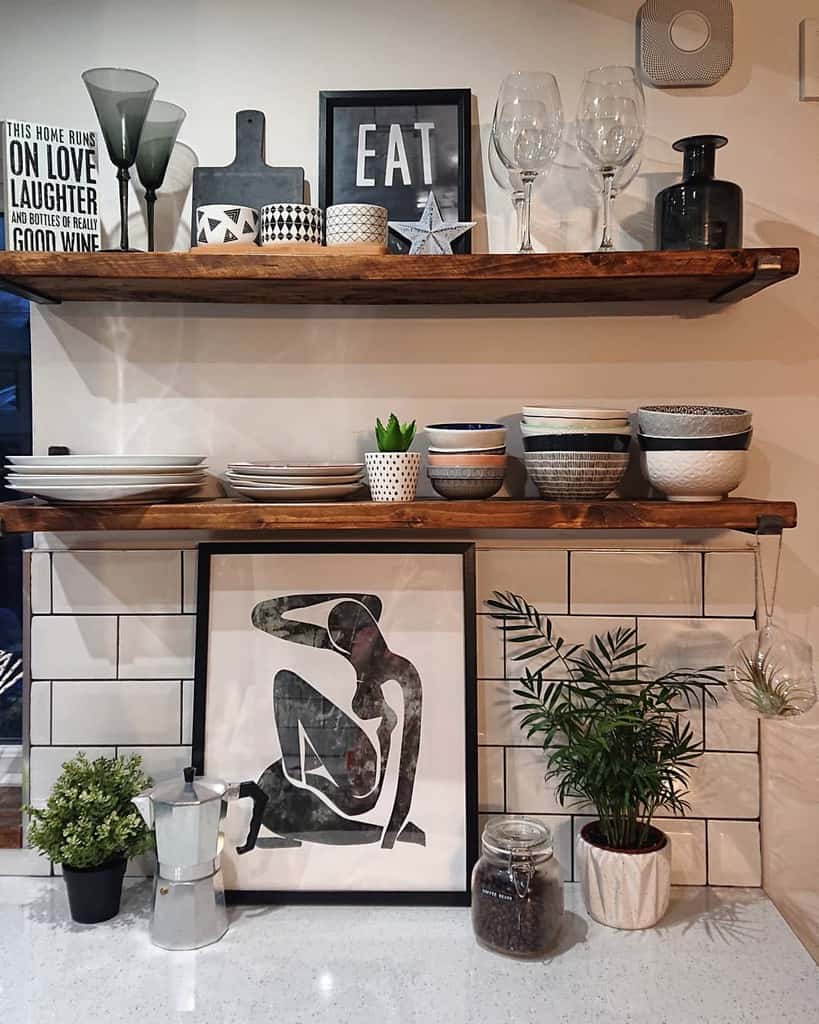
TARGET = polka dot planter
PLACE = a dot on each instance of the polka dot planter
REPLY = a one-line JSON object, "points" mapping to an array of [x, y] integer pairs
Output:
{"points": [[393, 476]]}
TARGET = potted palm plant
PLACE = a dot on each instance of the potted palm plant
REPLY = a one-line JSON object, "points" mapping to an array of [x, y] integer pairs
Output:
{"points": [[393, 469], [90, 826], [613, 738]]}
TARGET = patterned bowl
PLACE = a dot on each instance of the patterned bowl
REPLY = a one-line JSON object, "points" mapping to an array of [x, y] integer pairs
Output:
{"points": [[692, 420], [576, 476], [466, 483], [695, 476], [598, 427]]}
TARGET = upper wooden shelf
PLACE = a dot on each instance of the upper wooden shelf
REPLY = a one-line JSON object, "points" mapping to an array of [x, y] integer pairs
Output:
{"points": [[433, 514], [718, 276]]}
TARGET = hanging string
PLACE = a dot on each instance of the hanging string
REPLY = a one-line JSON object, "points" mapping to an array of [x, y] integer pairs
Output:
{"points": [[769, 606]]}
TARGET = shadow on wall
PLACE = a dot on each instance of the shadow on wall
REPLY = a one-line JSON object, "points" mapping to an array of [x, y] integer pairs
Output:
{"points": [[172, 203]]}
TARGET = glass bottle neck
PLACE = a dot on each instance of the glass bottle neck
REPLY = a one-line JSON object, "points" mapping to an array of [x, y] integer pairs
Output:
{"points": [[700, 162]]}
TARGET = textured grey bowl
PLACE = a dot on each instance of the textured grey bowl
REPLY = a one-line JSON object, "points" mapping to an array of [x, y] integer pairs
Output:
{"points": [[465, 473], [575, 476], [692, 420], [475, 487]]}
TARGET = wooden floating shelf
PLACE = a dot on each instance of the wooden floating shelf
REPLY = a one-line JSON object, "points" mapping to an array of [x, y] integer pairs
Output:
{"points": [[433, 514], [717, 276]]}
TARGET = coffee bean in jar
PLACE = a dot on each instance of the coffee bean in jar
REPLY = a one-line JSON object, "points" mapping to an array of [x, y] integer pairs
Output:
{"points": [[517, 892]]}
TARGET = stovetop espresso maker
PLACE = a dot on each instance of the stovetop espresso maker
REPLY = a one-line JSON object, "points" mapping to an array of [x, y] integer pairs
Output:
{"points": [[189, 897]]}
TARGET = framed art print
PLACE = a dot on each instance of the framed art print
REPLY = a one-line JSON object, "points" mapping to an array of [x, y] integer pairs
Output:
{"points": [[335, 684], [393, 148]]}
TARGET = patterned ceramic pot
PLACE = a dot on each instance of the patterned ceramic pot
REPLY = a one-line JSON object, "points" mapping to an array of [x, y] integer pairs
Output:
{"points": [[393, 476], [226, 225], [624, 889], [286, 223], [355, 223]]}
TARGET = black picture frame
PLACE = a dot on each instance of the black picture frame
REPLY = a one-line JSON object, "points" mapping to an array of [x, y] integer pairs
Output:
{"points": [[459, 897], [404, 202]]}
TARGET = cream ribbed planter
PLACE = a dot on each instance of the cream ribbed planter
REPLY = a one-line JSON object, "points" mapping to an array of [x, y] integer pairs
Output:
{"points": [[624, 890], [393, 476]]}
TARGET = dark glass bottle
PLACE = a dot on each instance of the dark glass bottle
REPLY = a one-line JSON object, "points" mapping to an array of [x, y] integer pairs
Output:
{"points": [[700, 212]]}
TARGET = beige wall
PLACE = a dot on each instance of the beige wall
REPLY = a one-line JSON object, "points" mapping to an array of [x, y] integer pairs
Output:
{"points": [[251, 382]]}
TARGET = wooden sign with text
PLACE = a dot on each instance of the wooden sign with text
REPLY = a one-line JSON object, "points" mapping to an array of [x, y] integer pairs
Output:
{"points": [[51, 200]]}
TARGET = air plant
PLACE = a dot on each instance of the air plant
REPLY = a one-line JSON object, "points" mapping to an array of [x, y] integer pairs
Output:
{"points": [[760, 684], [395, 437]]}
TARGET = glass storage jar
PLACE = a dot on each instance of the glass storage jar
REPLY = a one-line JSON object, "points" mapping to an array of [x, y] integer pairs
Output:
{"points": [[517, 892]]}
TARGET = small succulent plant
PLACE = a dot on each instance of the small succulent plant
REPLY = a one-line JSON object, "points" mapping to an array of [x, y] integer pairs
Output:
{"points": [[396, 436]]}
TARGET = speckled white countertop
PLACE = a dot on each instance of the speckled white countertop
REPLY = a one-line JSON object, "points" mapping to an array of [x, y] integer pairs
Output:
{"points": [[721, 956]]}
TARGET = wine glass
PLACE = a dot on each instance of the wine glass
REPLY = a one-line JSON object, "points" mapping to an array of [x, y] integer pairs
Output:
{"points": [[509, 181], [121, 100], [526, 132], [610, 125], [155, 147]]}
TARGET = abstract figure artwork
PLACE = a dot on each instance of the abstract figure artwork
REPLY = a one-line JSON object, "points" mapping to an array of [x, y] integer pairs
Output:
{"points": [[338, 773], [333, 684]]}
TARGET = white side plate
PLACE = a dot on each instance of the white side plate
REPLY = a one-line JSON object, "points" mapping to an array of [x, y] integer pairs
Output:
{"points": [[286, 469], [116, 461]]}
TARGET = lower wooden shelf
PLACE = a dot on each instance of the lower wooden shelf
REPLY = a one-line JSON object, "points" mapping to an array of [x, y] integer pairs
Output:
{"points": [[433, 514]]}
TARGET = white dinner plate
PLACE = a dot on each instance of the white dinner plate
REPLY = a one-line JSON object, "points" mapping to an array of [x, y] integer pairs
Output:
{"points": [[288, 469], [29, 481], [114, 461], [102, 493], [292, 481], [90, 470], [281, 493]]}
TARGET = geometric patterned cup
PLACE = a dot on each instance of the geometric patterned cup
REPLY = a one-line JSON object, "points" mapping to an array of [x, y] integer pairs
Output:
{"points": [[350, 223], [284, 223], [226, 225]]}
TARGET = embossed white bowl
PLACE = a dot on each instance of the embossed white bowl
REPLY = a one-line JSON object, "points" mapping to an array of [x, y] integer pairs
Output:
{"points": [[695, 476]]}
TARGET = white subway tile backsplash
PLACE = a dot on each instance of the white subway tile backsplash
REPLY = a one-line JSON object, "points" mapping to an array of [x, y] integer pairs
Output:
{"points": [[64, 647], [160, 762], [156, 646], [46, 764], [40, 595], [39, 721], [187, 711], [725, 786], [734, 853], [527, 792], [114, 582], [497, 722], [490, 778], [490, 648], [688, 861], [189, 577], [24, 862], [730, 583], [136, 712], [540, 576], [636, 583]]}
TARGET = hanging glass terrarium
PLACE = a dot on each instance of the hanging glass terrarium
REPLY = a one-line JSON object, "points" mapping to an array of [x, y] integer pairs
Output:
{"points": [[770, 671]]}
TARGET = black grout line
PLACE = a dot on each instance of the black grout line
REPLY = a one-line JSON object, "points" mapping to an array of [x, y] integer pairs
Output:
{"points": [[702, 581], [51, 582], [181, 711], [707, 855], [117, 650], [181, 582], [568, 583]]}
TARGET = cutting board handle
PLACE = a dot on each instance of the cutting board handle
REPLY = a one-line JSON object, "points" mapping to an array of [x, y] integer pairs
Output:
{"points": [[250, 152]]}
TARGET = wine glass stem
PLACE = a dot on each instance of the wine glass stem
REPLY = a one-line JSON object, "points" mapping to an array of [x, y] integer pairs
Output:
{"points": [[519, 202], [150, 202], [606, 244], [526, 231], [122, 176]]}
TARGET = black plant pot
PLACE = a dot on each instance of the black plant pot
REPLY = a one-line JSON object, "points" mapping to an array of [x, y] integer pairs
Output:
{"points": [[94, 893]]}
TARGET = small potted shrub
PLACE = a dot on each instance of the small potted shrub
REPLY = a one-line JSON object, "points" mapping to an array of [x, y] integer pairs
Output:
{"points": [[90, 826], [393, 469], [613, 738]]}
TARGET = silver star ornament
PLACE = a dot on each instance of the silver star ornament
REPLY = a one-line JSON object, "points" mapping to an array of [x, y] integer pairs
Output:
{"points": [[431, 235]]}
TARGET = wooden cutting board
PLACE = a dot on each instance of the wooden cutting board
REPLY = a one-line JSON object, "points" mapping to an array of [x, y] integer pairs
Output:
{"points": [[248, 181]]}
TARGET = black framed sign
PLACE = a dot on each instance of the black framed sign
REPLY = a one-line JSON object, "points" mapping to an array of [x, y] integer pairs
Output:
{"points": [[336, 684], [393, 148]]}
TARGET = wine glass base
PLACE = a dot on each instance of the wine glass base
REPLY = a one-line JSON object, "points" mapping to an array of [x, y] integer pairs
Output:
{"points": [[119, 249]]}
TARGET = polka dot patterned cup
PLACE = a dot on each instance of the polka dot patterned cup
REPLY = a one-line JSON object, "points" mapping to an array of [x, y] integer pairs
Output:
{"points": [[393, 476]]}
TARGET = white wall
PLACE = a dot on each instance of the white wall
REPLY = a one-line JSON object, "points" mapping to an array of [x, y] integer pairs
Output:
{"points": [[253, 382]]}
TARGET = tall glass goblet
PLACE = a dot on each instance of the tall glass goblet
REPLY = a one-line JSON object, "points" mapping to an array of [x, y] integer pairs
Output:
{"points": [[121, 100], [526, 130], [155, 147], [611, 119]]}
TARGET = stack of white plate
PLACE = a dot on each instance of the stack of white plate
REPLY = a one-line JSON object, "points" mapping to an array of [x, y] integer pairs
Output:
{"points": [[283, 481], [95, 478]]}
